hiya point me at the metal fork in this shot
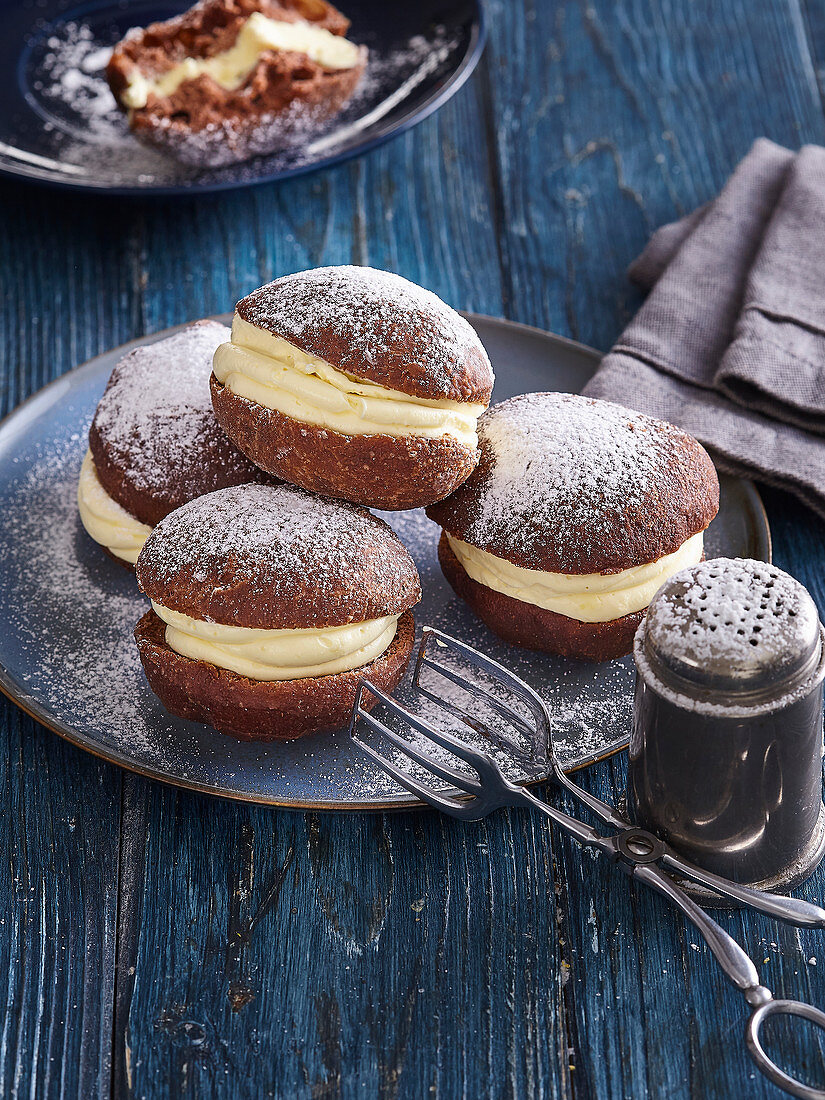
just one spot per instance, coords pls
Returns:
(638, 853)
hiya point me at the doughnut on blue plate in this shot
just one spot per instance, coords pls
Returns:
(59, 124)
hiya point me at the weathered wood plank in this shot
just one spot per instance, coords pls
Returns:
(70, 285)
(261, 953)
(61, 808)
(58, 905)
(323, 955)
(610, 118)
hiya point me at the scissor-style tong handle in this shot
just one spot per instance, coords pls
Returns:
(740, 970)
(639, 853)
(766, 1064)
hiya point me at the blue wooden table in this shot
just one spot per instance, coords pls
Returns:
(157, 943)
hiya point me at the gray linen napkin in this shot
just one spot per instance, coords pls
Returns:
(730, 343)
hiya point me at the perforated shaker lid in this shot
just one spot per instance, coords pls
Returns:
(734, 625)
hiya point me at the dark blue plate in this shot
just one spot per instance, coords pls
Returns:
(67, 611)
(59, 124)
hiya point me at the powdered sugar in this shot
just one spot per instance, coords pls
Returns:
(565, 478)
(155, 420)
(71, 73)
(69, 613)
(261, 556)
(373, 315)
(230, 140)
(748, 619)
(72, 613)
(419, 58)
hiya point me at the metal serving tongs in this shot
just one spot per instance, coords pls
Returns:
(638, 853)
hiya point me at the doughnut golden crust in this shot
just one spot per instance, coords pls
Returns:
(307, 577)
(356, 384)
(379, 471)
(577, 511)
(154, 442)
(277, 558)
(262, 711)
(377, 326)
(568, 484)
(153, 438)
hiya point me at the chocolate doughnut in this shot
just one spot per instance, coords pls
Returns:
(578, 511)
(268, 605)
(231, 79)
(356, 384)
(154, 442)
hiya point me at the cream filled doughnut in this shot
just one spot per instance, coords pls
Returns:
(356, 384)
(268, 604)
(231, 79)
(278, 375)
(578, 511)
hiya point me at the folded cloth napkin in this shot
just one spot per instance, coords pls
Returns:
(730, 342)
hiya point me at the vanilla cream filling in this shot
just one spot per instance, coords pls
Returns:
(105, 520)
(264, 368)
(278, 654)
(231, 67)
(588, 597)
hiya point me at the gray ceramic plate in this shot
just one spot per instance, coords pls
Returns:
(68, 658)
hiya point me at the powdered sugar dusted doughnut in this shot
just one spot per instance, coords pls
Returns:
(576, 514)
(354, 383)
(276, 557)
(230, 79)
(268, 604)
(154, 443)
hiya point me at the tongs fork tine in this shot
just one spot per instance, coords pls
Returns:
(525, 694)
(452, 744)
(441, 771)
(426, 794)
(639, 853)
(488, 665)
(444, 802)
(505, 712)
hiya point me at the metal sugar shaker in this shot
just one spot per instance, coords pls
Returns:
(726, 749)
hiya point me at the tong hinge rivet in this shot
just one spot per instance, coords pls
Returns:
(639, 846)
